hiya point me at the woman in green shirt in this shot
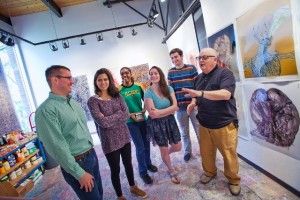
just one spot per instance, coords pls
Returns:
(133, 95)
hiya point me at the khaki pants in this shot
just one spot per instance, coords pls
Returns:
(225, 140)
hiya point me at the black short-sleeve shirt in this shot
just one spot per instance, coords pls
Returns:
(216, 113)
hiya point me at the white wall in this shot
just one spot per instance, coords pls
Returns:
(218, 14)
(185, 39)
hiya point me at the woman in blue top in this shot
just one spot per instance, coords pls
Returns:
(162, 129)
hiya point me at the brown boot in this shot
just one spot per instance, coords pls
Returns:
(138, 192)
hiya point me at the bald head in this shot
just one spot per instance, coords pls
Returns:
(209, 51)
(207, 60)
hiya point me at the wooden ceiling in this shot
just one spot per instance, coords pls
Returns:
(12, 8)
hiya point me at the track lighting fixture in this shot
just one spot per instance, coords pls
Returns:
(153, 14)
(3, 38)
(133, 31)
(154, 11)
(99, 37)
(82, 41)
(119, 33)
(65, 44)
(7, 39)
(53, 46)
(150, 22)
(10, 42)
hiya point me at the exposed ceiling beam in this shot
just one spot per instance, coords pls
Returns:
(5, 19)
(192, 8)
(53, 7)
(135, 10)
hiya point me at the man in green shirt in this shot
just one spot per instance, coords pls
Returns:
(61, 126)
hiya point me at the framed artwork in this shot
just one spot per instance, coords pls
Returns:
(265, 35)
(81, 93)
(224, 43)
(140, 74)
(273, 115)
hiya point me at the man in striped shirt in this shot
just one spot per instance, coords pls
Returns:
(183, 76)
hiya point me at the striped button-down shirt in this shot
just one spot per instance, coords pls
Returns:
(61, 126)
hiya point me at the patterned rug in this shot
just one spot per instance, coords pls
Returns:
(255, 185)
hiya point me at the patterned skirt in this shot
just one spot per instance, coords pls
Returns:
(163, 131)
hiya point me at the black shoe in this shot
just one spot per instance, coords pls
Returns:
(152, 168)
(187, 157)
(147, 179)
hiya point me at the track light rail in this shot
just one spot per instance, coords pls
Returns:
(73, 36)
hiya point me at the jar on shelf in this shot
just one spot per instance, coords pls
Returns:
(19, 171)
(2, 170)
(12, 175)
(6, 165)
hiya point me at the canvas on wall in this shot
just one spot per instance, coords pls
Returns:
(265, 35)
(81, 93)
(224, 43)
(140, 74)
(273, 115)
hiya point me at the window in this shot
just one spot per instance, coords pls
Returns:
(15, 82)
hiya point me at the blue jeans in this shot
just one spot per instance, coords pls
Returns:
(142, 145)
(90, 164)
(183, 122)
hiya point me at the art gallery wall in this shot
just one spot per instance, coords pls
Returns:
(185, 39)
(219, 14)
(112, 53)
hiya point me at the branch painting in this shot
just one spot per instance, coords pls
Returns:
(266, 40)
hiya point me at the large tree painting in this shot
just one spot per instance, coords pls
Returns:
(266, 40)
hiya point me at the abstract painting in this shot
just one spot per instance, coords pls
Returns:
(274, 115)
(140, 75)
(224, 43)
(266, 40)
(81, 93)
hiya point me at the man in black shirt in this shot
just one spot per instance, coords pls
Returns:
(217, 115)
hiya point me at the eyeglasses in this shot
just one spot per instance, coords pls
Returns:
(204, 57)
(67, 77)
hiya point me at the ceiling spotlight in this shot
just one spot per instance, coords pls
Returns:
(119, 34)
(10, 42)
(82, 41)
(99, 37)
(133, 31)
(153, 14)
(154, 11)
(65, 44)
(53, 46)
(150, 22)
(3, 38)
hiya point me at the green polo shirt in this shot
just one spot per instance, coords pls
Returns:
(61, 126)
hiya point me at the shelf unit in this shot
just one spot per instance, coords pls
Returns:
(12, 188)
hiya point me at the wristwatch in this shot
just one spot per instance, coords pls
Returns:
(202, 93)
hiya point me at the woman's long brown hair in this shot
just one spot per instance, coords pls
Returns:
(163, 84)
